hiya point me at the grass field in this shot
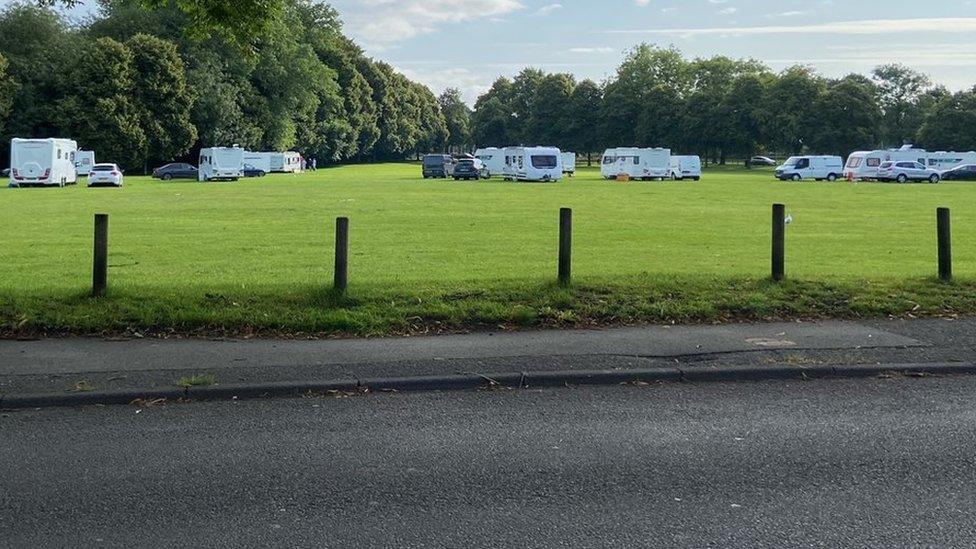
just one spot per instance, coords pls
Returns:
(256, 256)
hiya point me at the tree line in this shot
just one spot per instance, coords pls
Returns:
(722, 108)
(142, 86)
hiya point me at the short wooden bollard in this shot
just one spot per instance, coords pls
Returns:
(945, 244)
(779, 242)
(565, 246)
(100, 262)
(341, 279)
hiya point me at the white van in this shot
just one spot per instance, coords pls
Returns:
(286, 162)
(494, 160)
(42, 162)
(258, 160)
(686, 167)
(644, 164)
(816, 168)
(84, 160)
(536, 163)
(569, 163)
(221, 163)
(863, 165)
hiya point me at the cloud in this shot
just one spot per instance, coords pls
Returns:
(602, 49)
(863, 27)
(378, 24)
(547, 9)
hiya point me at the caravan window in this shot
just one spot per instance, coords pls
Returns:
(609, 160)
(636, 160)
(873, 162)
(59, 154)
(854, 162)
(544, 162)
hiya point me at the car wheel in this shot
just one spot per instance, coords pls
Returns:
(795, 177)
(902, 178)
(832, 177)
(167, 177)
(934, 178)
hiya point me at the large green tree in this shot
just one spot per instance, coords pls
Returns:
(849, 118)
(457, 117)
(900, 92)
(949, 125)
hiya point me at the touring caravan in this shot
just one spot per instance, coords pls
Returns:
(569, 163)
(286, 162)
(84, 160)
(863, 165)
(42, 162)
(637, 163)
(258, 160)
(221, 163)
(816, 168)
(511, 153)
(943, 161)
(536, 163)
(493, 158)
(686, 167)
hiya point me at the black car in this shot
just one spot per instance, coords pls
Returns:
(175, 170)
(467, 170)
(251, 171)
(438, 165)
(960, 173)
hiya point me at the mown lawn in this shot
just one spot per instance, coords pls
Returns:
(256, 256)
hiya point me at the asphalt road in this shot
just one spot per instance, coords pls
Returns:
(867, 463)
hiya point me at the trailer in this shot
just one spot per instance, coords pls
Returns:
(569, 163)
(536, 163)
(221, 164)
(494, 160)
(944, 161)
(286, 162)
(863, 165)
(42, 162)
(84, 160)
(258, 160)
(636, 163)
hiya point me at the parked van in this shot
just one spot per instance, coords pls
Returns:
(569, 163)
(816, 168)
(221, 163)
(285, 162)
(643, 164)
(686, 167)
(537, 163)
(494, 160)
(84, 160)
(863, 165)
(438, 166)
(259, 160)
(42, 162)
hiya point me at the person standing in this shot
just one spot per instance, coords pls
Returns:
(315, 164)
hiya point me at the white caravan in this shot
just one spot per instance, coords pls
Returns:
(686, 167)
(84, 160)
(862, 165)
(816, 168)
(42, 162)
(286, 162)
(493, 158)
(569, 163)
(511, 153)
(258, 160)
(943, 161)
(643, 164)
(536, 163)
(221, 163)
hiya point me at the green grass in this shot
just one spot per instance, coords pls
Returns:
(256, 256)
(200, 380)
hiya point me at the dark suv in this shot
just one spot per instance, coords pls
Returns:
(468, 170)
(438, 166)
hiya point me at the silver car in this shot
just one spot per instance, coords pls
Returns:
(906, 171)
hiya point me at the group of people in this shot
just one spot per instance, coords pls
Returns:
(306, 165)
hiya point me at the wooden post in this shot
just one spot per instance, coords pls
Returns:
(341, 280)
(100, 262)
(565, 246)
(779, 242)
(945, 244)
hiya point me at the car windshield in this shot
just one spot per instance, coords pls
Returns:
(544, 162)
(886, 164)
(433, 160)
(791, 161)
(103, 168)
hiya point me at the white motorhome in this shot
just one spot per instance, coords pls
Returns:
(536, 163)
(943, 161)
(84, 160)
(686, 167)
(816, 168)
(221, 163)
(863, 165)
(493, 158)
(286, 162)
(569, 163)
(258, 160)
(637, 163)
(46, 162)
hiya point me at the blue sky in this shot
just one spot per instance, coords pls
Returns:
(469, 43)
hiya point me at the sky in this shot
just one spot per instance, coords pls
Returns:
(467, 44)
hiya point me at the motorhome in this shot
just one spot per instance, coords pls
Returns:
(686, 167)
(286, 162)
(84, 160)
(221, 163)
(636, 163)
(569, 163)
(536, 163)
(258, 160)
(494, 160)
(816, 168)
(943, 161)
(863, 165)
(42, 162)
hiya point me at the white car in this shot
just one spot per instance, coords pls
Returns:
(906, 171)
(105, 175)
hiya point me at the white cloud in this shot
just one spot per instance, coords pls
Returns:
(547, 9)
(865, 27)
(602, 49)
(377, 24)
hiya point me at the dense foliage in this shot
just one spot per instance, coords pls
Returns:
(720, 107)
(142, 86)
